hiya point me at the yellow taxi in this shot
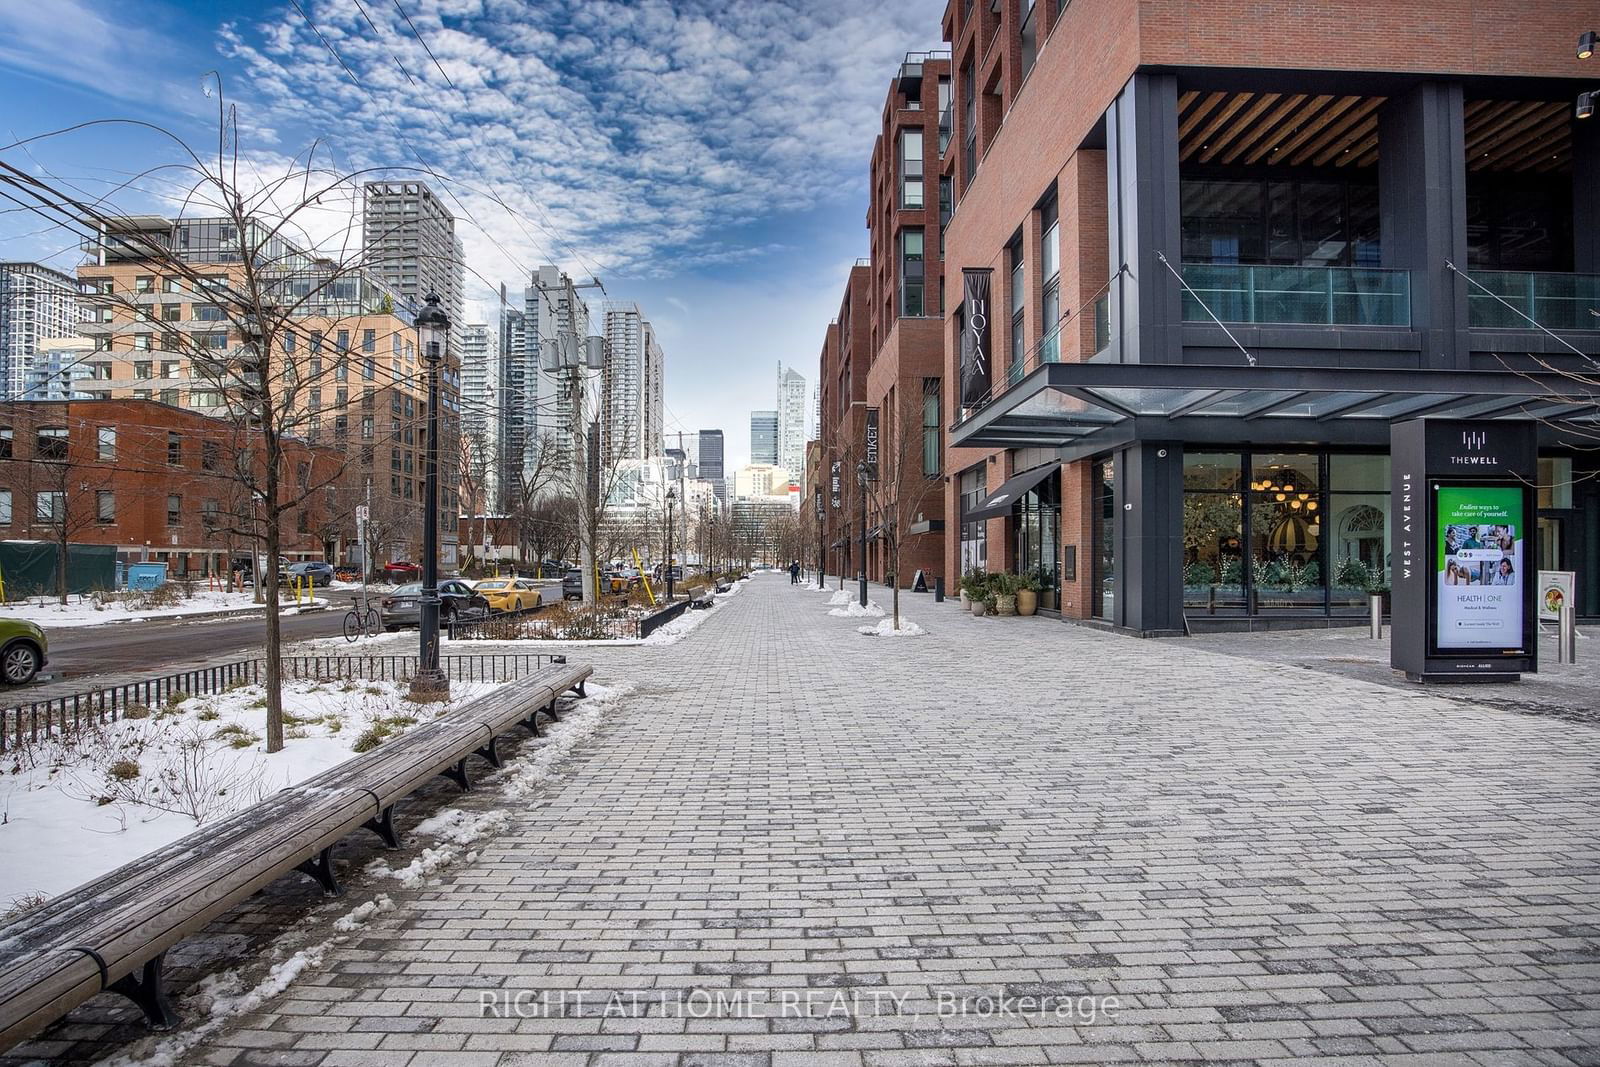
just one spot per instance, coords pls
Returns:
(509, 594)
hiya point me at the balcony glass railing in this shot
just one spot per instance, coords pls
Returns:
(1322, 296)
(1050, 347)
(1102, 322)
(1554, 301)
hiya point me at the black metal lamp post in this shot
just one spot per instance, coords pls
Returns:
(672, 495)
(430, 683)
(861, 477)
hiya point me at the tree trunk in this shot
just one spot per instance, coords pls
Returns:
(274, 684)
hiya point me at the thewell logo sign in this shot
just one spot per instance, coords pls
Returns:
(1473, 443)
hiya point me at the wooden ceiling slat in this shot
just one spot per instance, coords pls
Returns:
(1503, 125)
(1212, 125)
(1359, 150)
(1538, 140)
(1197, 113)
(1558, 162)
(1270, 148)
(1242, 125)
(1261, 129)
(1353, 119)
(1310, 129)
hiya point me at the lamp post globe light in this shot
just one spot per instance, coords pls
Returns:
(430, 683)
(861, 478)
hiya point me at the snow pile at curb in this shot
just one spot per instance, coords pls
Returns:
(455, 829)
(885, 628)
(841, 596)
(86, 611)
(525, 775)
(854, 610)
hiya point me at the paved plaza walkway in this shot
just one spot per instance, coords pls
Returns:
(1006, 841)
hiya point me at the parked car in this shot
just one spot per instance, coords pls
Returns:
(457, 601)
(244, 566)
(554, 568)
(572, 584)
(509, 594)
(402, 571)
(23, 650)
(658, 573)
(319, 572)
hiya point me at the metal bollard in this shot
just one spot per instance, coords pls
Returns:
(1567, 635)
(938, 590)
(1375, 608)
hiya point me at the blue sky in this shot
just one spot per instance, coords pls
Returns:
(707, 159)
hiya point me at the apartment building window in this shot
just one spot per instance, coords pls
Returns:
(141, 394)
(969, 125)
(51, 443)
(366, 400)
(105, 507)
(214, 342)
(1030, 34)
(369, 368)
(172, 312)
(366, 427)
(288, 342)
(946, 208)
(912, 303)
(341, 371)
(7, 437)
(169, 368)
(172, 285)
(314, 402)
(369, 341)
(144, 284)
(342, 340)
(205, 398)
(49, 507)
(302, 475)
(316, 343)
(141, 342)
(208, 313)
(314, 427)
(341, 427)
(106, 444)
(932, 453)
(171, 342)
(1018, 305)
(944, 114)
(316, 367)
(208, 515)
(1050, 268)
(100, 372)
(169, 397)
(5, 507)
(394, 459)
(911, 169)
(209, 454)
(174, 510)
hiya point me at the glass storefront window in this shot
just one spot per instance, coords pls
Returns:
(1286, 558)
(1038, 526)
(1103, 598)
(1212, 470)
(1555, 482)
(974, 535)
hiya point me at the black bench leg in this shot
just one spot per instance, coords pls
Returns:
(147, 988)
(581, 691)
(321, 868)
(490, 753)
(458, 775)
(532, 722)
(551, 710)
(383, 825)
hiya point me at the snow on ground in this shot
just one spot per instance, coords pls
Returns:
(106, 797)
(218, 998)
(885, 628)
(842, 596)
(375, 588)
(110, 608)
(854, 610)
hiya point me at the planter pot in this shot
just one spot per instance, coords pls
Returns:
(1047, 600)
(978, 608)
(966, 601)
(1027, 602)
(1005, 605)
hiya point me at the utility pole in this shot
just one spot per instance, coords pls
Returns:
(572, 355)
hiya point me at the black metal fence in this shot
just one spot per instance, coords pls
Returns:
(29, 723)
(654, 621)
(604, 623)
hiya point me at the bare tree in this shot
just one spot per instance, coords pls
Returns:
(899, 494)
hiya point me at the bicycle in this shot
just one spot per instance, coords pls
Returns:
(356, 626)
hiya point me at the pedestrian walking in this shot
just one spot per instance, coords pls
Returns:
(794, 572)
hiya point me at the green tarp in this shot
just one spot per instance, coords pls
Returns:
(29, 568)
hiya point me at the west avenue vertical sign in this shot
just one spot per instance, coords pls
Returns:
(1462, 566)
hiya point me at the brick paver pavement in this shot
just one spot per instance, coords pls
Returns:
(1259, 863)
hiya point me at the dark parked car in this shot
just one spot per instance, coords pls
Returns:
(457, 600)
(319, 572)
(23, 650)
(572, 585)
(554, 568)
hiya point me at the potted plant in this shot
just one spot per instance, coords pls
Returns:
(1005, 594)
(969, 587)
(979, 594)
(1028, 595)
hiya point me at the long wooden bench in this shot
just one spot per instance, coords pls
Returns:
(113, 933)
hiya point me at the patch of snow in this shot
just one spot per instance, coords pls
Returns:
(854, 610)
(885, 628)
(363, 913)
(89, 611)
(525, 775)
(842, 596)
(104, 797)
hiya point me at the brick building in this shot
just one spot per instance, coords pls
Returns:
(153, 480)
(842, 399)
(161, 300)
